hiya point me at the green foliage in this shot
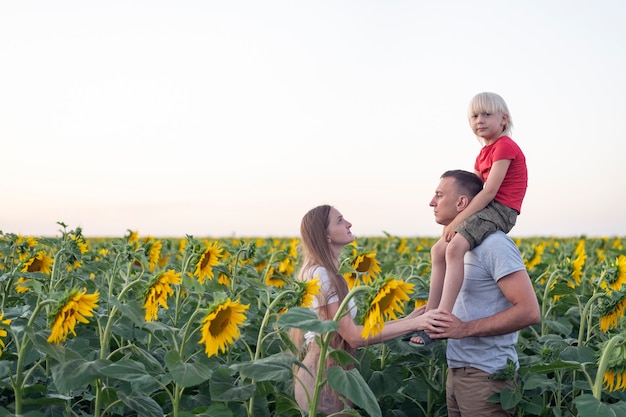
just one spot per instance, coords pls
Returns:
(119, 364)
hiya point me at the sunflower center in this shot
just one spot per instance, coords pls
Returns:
(220, 322)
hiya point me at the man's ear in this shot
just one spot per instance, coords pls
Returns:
(462, 203)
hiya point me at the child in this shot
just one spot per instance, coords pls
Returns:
(502, 167)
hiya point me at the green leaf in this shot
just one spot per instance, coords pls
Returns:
(273, 368)
(74, 373)
(539, 381)
(556, 365)
(351, 384)
(54, 350)
(578, 354)
(562, 326)
(306, 319)
(186, 374)
(223, 388)
(507, 398)
(142, 404)
(218, 410)
(387, 381)
(127, 370)
(589, 406)
(342, 357)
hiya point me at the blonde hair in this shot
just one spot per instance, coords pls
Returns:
(491, 103)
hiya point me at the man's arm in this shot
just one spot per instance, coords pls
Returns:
(518, 289)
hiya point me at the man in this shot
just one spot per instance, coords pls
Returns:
(496, 300)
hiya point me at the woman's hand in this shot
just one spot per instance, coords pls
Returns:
(435, 321)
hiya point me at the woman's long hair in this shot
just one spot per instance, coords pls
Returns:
(316, 252)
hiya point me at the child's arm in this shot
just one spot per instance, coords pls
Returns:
(496, 176)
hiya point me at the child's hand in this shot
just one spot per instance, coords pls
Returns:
(448, 233)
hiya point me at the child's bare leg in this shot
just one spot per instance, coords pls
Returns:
(438, 272)
(454, 272)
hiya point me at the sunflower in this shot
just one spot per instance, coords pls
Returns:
(614, 378)
(3, 333)
(614, 277)
(612, 306)
(536, 256)
(220, 327)
(153, 249)
(293, 248)
(39, 263)
(307, 292)
(287, 266)
(617, 244)
(611, 310)
(158, 293)
(23, 246)
(577, 271)
(133, 238)
(351, 279)
(275, 279)
(77, 306)
(209, 258)
(614, 381)
(21, 288)
(386, 303)
(365, 265)
(80, 243)
(402, 246)
(182, 244)
(223, 279)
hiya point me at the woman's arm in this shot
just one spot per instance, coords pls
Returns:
(432, 321)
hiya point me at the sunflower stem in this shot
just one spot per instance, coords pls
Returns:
(325, 342)
(104, 345)
(259, 342)
(544, 303)
(604, 363)
(18, 385)
(584, 316)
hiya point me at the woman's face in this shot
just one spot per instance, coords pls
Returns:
(338, 231)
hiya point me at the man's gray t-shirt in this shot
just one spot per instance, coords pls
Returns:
(481, 297)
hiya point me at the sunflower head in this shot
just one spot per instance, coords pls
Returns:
(39, 263)
(207, 260)
(159, 291)
(364, 267)
(614, 377)
(220, 327)
(534, 258)
(75, 307)
(19, 285)
(3, 332)
(274, 278)
(611, 309)
(614, 275)
(307, 291)
(385, 302)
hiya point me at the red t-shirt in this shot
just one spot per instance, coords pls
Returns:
(513, 188)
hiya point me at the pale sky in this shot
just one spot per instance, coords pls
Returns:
(233, 118)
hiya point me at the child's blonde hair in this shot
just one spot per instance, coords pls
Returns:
(491, 103)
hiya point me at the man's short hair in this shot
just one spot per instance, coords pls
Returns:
(467, 182)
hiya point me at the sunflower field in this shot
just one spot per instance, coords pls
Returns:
(142, 326)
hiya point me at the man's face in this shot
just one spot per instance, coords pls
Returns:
(446, 201)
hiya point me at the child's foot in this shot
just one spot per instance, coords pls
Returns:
(419, 338)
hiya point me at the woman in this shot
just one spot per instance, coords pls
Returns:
(324, 234)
